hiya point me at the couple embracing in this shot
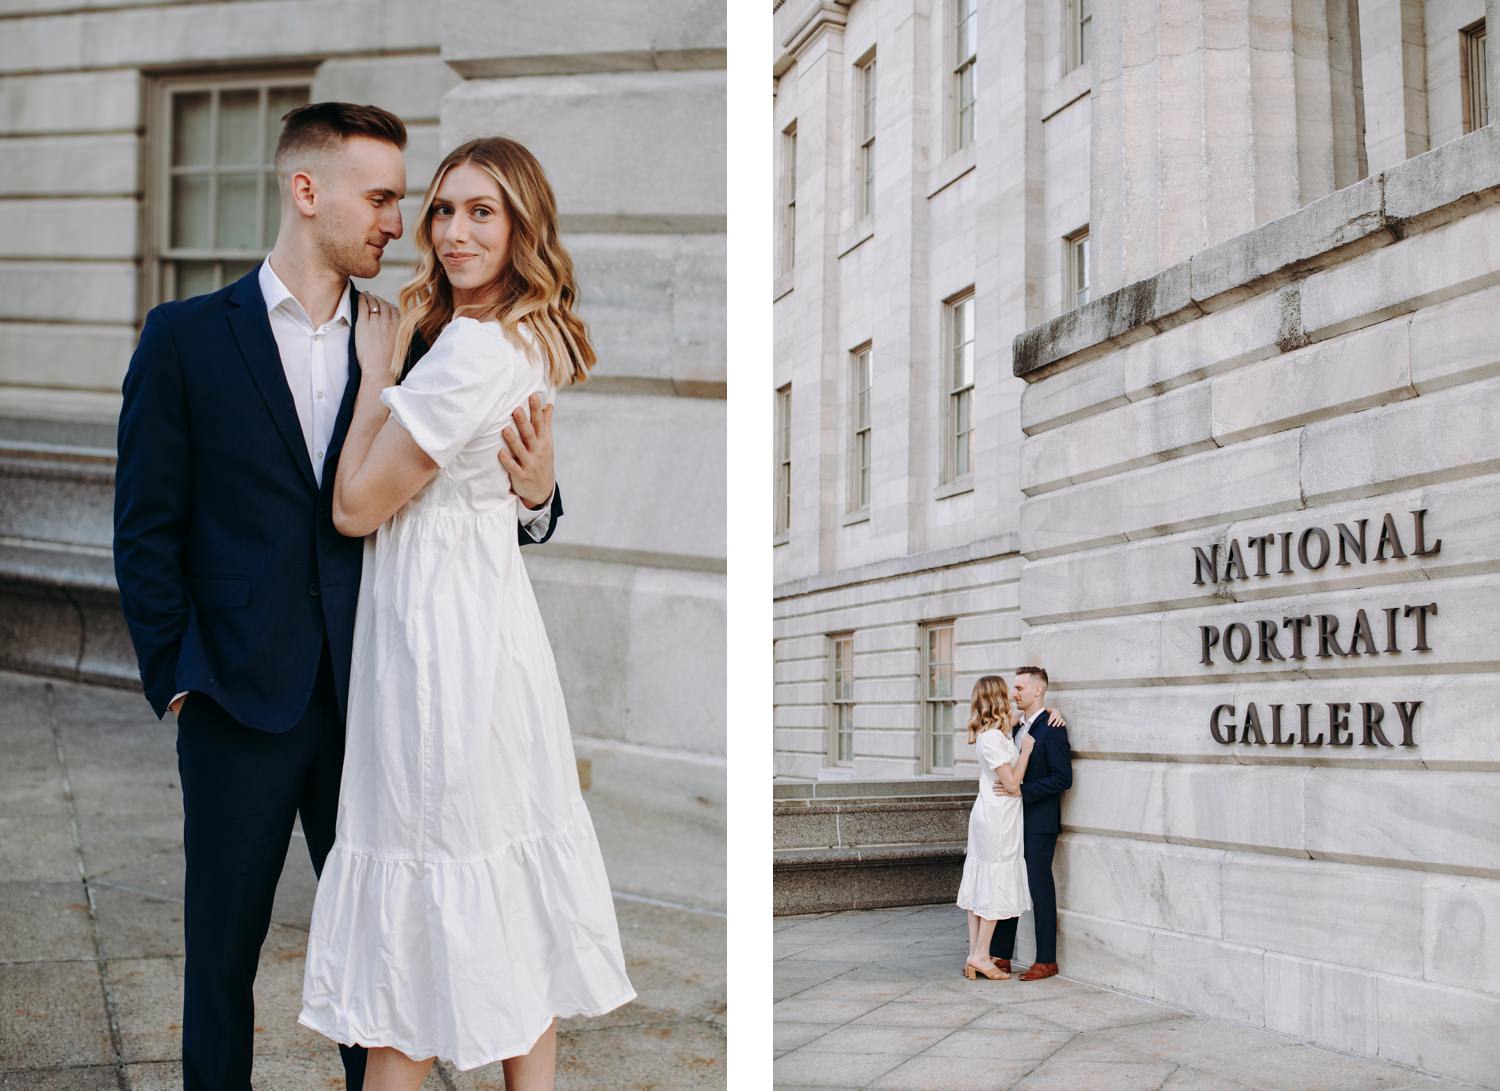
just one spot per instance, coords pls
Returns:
(319, 509)
(1025, 765)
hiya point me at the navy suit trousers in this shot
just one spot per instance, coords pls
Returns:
(1038, 849)
(242, 790)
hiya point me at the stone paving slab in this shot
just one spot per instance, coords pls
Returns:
(877, 998)
(91, 924)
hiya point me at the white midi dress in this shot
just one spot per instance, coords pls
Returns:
(464, 903)
(994, 884)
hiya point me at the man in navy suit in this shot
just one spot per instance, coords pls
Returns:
(1049, 773)
(238, 592)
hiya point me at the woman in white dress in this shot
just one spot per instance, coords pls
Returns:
(994, 883)
(464, 906)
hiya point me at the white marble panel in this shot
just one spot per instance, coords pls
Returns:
(1454, 342)
(1330, 1005)
(88, 291)
(74, 102)
(1438, 819)
(410, 87)
(1254, 806)
(1436, 437)
(1105, 951)
(1440, 1029)
(1212, 344)
(1116, 797)
(1460, 923)
(58, 166)
(1368, 918)
(1160, 886)
(1209, 976)
(80, 227)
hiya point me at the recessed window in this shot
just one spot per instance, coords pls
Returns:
(937, 697)
(841, 704)
(218, 208)
(1080, 30)
(1474, 65)
(783, 515)
(1076, 269)
(958, 383)
(964, 34)
(859, 429)
(864, 133)
(788, 198)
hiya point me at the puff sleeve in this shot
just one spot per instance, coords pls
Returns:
(472, 373)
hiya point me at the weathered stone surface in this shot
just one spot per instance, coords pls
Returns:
(1312, 234)
(56, 166)
(612, 144)
(1091, 388)
(1418, 271)
(1116, 797)
(409, 87)
(82, 290)
(1441, 819)
(94, 228)
(1211, 344)
(602, 36)
(1457, 173)
(88, 357)
(1172, 496)
(1106, 951)
(1437, 437)
(1159, 886)
(52, 1014)
(1326, 1004)
(1328, 379)
(1450, 343)
(1208, 976)
(1119, 440)
(1460, 915)
(1439, 1029)
(1257, 807)
(84, 102)
(1366, 918)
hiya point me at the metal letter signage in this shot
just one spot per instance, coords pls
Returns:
(1380, 629)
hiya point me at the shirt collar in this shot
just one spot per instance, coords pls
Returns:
(276, 294)
(1031, 720)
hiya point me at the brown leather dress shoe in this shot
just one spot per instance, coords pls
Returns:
(1001, 963)
(1040, 970)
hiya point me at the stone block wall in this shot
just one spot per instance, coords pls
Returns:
(1339, 881)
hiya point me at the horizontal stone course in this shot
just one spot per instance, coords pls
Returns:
(84, 102)
(57, 166)
(82, 227)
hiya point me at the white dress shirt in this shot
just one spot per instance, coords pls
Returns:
(1025, 729)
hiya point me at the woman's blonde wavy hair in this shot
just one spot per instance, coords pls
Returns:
(989, 706)
(537, 289)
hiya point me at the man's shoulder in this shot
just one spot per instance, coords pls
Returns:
(178, 312)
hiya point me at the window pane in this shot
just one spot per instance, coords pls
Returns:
(236, 219)
(279, 100)
(191, 227)
(233, 270)
(196, 278)
(192, 136)
(239, 127)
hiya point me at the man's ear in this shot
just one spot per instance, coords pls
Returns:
(304, 193)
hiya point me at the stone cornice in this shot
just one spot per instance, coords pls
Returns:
(1422, 192)
(816, 17)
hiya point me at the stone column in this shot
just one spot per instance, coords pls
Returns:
(1210, 117)
(1393, 65)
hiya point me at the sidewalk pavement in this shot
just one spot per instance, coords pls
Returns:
(876, 998)
(91, 926)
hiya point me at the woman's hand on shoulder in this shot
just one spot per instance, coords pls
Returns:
(375, 334)
(1055, 718)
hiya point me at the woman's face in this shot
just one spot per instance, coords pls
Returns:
(471, 233)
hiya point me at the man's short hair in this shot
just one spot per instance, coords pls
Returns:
(1040, 672)
(323, 126)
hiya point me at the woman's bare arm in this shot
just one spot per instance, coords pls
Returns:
(381, 466)
(1009, 776)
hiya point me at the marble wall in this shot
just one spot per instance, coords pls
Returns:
(1341, 884)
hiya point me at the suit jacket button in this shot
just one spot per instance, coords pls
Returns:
(313, 590)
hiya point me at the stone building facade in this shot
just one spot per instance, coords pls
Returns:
(134, 145)
(1240, 501)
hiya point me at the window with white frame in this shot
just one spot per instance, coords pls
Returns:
(1076, 269)
(859, 429)
(864, 134)
(937, 697)
(217, 207)
(841, 703)
(783, 515)
(958, 385)
(1080, 19)
(788, 197)
(964, 29)
(1475, 65)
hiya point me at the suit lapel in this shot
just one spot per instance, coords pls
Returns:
(346, 407)
(252, 333)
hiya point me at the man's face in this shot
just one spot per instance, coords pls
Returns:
(1027, 689)
(357, 213)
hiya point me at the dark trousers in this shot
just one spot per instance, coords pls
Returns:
(242, 789)
(1038, 849)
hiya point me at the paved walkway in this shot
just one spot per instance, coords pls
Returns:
(91, 926)
(876, 998)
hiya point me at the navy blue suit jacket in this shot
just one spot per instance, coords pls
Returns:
(1049, 773)
(231, 573)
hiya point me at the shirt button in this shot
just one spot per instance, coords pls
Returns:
(320, 454)
(320, 395)
(314, 590)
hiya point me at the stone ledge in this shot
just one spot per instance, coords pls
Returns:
(1002, 545)
(1414, 195)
